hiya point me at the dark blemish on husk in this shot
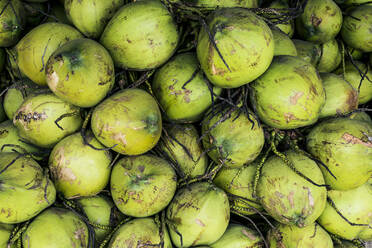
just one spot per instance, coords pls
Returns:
(293, 99)
(33, 116)
(352, 100)
(290, 117)
(315, 21)
(349, 138)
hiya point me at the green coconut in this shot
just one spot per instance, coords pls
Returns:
(310, 236)
(57, 228)
(283, 44)
(96, 14)
(77, 169)
(100, 210)
(25, 190)
(199, 213)
(344, 146)
(44, 119)
(183, 95)
(362, 116)
(237, 140)
(213, 4)
(352, 75)
(245, 41)
(288, 197)
(239, 182)
(320, 21)
(141, 35)
(341, 97)
(5, 232)
(182, 147)
(308, 51)
(10, 140)
(355, 206)
(142, 186)
(289, 27)
(141, 232)
(12, 22)
(330, 58)
(35, 48)
(238, 236)
(356, 28)
(80, 72)
(289, 94)
(15, 95)
(130, 120)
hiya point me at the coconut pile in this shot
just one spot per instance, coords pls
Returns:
(185, 123)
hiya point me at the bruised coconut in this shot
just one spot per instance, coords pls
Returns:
(100, 210)
(45, 119)
(352, 75)
(12, 22)
(181, 89)
(35, 48)
(355, 206)
(80, 72)
(238, 236)
(288, 197)
(289, 94)
(283, 44)
(310, 236)
(308, 51)
(356, 28)
(96, 14)
(181, 146)
(345, 147)
(141, 232)
(240, 182)
(320, 21)
(330, 58)
(236, 140)
(245, 41)
(58, 228)
(341, 97)
(128, 121)
(25, 190)
(141, 35)
(198, 215)
(77, 169)
(142, 186)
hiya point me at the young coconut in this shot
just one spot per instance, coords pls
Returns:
(44, 119)
(237, 236)
(330, 58)
(142, 186)
(141, 35)
(362, 84)
(309, 236)
(198, 215)
(341, 97)
(239, 182)
(12, 21)
(287, 196)
(100, 211)
(235, 138)
(283, 44)
(5, 233)
(289, 27)
(320, 22)
(214, 4)
(289, 94)
(129, 122)
(80, 72)
(245, 47)
(34, 49)
(308, 51)
(348, 214)
(58, 228)
(25, 190)
(96, 14)
(181, 89)
(15, 95)
(141, 232)
(356, 28)
(345, 147)
(182, 147)
(77, 169)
